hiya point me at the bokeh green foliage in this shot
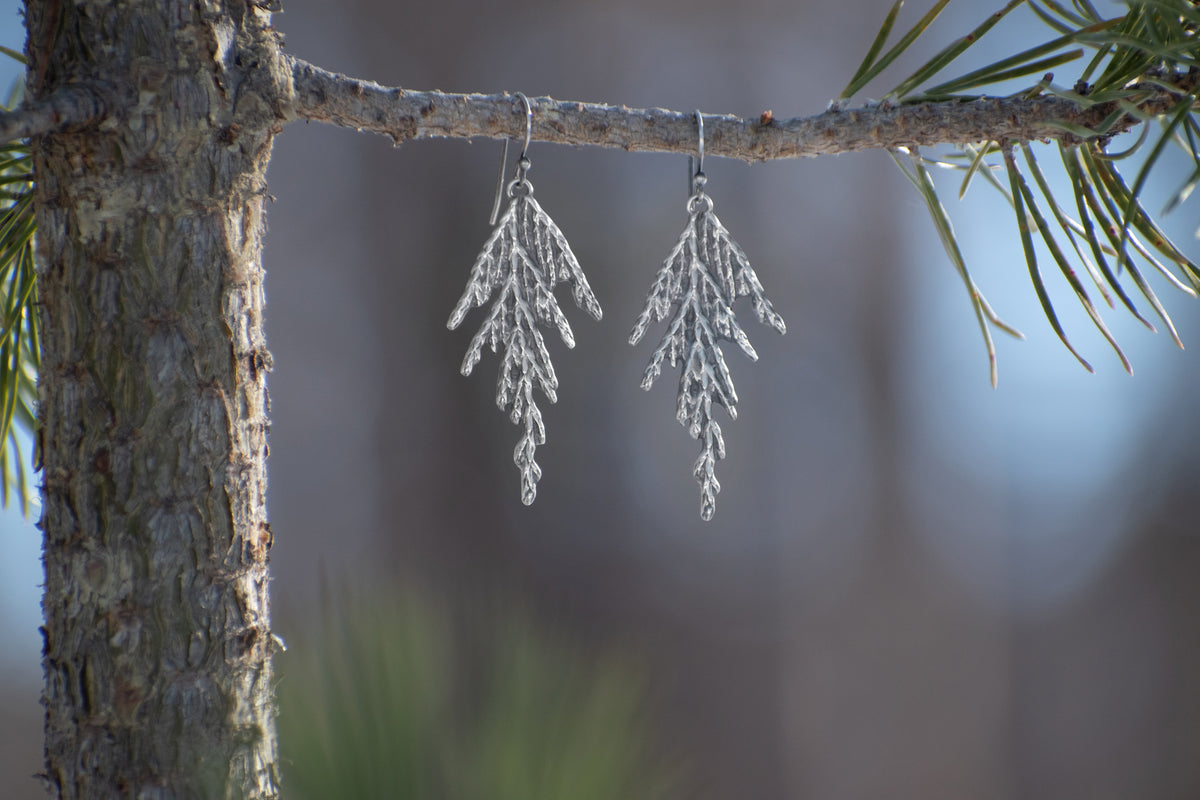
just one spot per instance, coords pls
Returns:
(385, 698)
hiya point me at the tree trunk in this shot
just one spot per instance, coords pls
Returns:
(153, 399)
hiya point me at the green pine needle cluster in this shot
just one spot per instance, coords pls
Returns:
(19, 355)
(1143, 74)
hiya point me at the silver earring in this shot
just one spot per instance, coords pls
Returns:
(697, 285)
(524, 258)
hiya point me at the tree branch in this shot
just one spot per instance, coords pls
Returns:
(66, 107)
(403, 114)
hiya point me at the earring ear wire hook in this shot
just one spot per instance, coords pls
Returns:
(696, 176)
(528, 123)
(504, 157)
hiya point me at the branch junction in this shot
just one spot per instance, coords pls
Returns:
(319, 95)
(68, 107)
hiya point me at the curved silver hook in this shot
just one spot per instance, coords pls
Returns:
(696, 177)
(528, 122)
(522, 162)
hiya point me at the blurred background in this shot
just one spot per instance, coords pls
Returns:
(915, 586)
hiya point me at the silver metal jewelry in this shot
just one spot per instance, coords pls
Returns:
(524, 259)
(697, 285)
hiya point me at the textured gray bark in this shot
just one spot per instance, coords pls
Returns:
(70, 105)
(404, 114)
(153, 398)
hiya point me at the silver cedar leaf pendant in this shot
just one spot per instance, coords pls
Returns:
(696, 287)
(524, 259)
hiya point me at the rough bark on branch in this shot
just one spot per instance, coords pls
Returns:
(67, 107)
(323, 96)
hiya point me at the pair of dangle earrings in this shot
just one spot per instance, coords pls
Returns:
(527, 255)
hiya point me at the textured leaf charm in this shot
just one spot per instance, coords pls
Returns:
(696, 287)
(523, 259)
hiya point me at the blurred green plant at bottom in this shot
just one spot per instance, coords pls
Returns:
(383, 700)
